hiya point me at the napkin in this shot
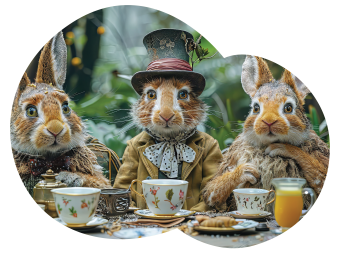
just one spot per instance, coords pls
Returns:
(162, 223)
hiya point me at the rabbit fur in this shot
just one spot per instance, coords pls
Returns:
(277, 139)
(167, 114)
(43, 125)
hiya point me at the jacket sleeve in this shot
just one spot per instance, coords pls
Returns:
(128, 171)
(209, 169)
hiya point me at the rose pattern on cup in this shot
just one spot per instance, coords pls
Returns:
(73, 212)
(84, 204)
(65, 201)
(153, 191)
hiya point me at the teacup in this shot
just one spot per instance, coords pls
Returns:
(163, 197)
(251, 201)
(76, 206)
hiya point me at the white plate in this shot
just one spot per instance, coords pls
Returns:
(137, 232)
(245, 224)
(96, 221)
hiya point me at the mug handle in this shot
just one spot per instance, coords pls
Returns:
(312, 198)
(133, 189)
(271, 201)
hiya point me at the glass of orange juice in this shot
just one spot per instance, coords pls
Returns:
(289, 201)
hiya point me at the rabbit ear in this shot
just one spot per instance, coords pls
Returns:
(255, 72)
(52, 62)
(290, 79)
(22, 86)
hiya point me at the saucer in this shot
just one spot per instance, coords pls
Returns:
(148, 214)
(238, 215)
(244, 225)
(95, 222)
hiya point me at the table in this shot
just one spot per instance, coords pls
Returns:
(245, 238)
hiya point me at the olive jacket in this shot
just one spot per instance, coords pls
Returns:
(198, 173)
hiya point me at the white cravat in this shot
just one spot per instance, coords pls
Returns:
(168, 152)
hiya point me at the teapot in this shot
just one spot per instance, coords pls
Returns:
(42, 192)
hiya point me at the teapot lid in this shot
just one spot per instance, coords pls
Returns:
(50, 181)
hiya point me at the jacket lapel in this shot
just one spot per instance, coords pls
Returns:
(188, 167)
(145, 142)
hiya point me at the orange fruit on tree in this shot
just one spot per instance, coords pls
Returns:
(100, 30)
(76, 61)
(70, 35)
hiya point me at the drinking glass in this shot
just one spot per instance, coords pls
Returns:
(289, 201)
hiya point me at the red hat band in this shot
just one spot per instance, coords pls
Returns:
(169, 64)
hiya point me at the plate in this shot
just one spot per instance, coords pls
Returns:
(148, 214)
(238, 215)
(95, 222)
(137, 232)
(244, 225)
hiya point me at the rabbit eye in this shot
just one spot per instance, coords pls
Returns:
(152, 94)
(288, 108)
(66, 109)
(256, 108)
(183, 94)
(31, 111)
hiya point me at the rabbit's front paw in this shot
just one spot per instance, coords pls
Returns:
(278, 149)
(70, 179)
(250, 174)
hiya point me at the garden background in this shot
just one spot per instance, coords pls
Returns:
(105, 49)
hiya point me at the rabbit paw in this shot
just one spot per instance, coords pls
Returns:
(70, 179)
(278, 149)
(250, 174)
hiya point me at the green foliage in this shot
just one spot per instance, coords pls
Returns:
(320, 129)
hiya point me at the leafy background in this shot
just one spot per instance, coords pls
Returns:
(105, 49)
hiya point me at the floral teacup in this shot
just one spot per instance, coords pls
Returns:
(251, 201)
(76, 206)
(163, 197)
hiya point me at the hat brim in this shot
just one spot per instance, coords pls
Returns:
(196, 79)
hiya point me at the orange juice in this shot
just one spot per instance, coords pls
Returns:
(288, 206)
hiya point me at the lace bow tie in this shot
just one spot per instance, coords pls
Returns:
(169, 152)
(39, 166)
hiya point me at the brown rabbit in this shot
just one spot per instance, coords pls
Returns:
(169, 111)
(45, 132)
(277, 139)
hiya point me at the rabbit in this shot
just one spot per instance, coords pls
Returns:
(44, 128)
(277, 138)
(169, 112)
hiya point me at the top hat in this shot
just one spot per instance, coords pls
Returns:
(168, 58)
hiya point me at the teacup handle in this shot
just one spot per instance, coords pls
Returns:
(271, 201)
(312, 198)
(133, 189)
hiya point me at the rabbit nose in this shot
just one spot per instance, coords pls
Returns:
(167, 119)
(55, 135)
(55, 127)
(269, 124)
